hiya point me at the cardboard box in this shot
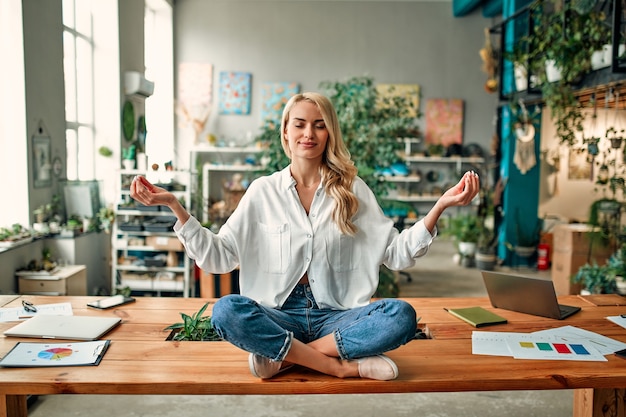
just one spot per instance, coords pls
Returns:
(566, 264)
(169, 243)
(575, 238)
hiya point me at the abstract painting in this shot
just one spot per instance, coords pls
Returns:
(444, 121)
(274, 96)
(235, 88)
(409, 91)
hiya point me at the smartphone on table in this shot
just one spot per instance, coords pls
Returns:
(112, 301)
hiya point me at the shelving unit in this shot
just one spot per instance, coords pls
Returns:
(146, 254)
(429, 176)
(218, 166)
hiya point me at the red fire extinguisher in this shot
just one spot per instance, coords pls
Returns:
(543, 256)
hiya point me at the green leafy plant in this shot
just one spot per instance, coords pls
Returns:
(595, 278)
(196, 327)
(465, 227)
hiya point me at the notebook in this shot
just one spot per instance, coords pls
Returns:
(477, 316)
(64, 327)
(525, 295)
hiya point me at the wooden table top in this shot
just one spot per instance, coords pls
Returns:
(140, 360)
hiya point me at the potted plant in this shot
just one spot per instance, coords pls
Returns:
(465, 229)
(595, 279)
(196, 327)
(617, 268)
(128, 157)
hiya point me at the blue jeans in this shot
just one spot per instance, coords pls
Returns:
(371, 330)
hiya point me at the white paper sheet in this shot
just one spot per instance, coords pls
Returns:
(19, 313)
(496, 343)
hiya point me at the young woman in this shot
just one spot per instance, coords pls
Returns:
(309, 241)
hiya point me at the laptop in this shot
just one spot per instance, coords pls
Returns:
(525, 295)
(64, 327)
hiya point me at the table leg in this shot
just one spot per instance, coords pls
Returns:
(607, 402)
(13, 406)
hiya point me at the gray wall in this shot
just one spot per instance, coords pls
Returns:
(308, 42)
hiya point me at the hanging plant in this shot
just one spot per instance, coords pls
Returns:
(566, 36)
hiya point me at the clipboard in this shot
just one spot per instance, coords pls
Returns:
(33, 354)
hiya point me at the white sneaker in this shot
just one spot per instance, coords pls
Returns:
(378, 367)
(263, 367)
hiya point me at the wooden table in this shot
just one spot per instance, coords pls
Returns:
(140, 360)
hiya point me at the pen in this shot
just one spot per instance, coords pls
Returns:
(623, 316)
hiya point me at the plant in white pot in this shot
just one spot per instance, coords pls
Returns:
(465, 229)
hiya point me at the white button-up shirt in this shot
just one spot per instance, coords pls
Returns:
(274, 242)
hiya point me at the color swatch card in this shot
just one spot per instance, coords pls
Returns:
(540, 349)
(27, 354)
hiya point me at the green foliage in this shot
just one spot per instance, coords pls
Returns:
(596, 278)
(465, 227)
(195, 327)
(269, 138)
(617, 263)
(566, 35)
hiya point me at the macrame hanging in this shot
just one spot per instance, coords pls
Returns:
(524, 157)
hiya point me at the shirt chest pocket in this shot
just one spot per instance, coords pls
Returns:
(343, 252)
(274, 248)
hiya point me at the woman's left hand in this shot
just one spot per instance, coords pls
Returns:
(463, 192)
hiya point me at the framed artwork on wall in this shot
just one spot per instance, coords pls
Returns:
(444, 121)
(410, 91)
(42, 166)
(274, 96)
(195, 96)
(235, 88)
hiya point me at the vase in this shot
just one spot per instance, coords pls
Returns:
(467, 248)
(485, 260)
(553, 73)
(129, 164)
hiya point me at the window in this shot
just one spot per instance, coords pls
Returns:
(13, 142)
(78, 50)
(159, 62)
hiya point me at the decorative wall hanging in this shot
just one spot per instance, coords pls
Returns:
(195, 96)
(444, 121)
(128, 120)
(524, 132)
(274, 96)
(235, 90)
(42, 166)
(411, 92)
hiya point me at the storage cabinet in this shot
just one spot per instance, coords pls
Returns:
(67, 280)
(146, 254)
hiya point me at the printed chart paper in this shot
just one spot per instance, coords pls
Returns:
(32, 354)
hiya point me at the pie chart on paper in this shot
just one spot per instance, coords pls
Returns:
(55, 354)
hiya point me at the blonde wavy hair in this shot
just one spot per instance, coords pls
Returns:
(337, 170)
